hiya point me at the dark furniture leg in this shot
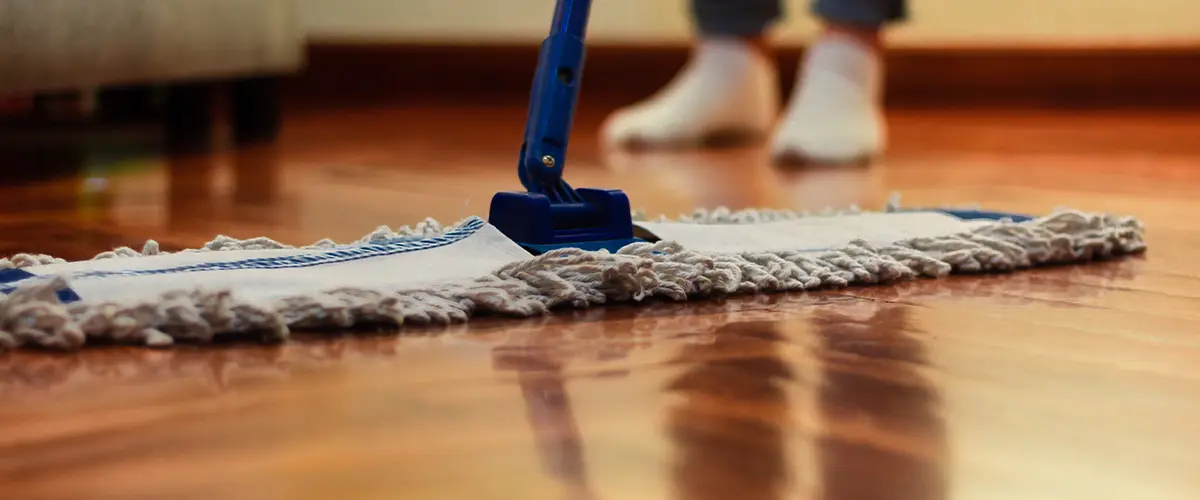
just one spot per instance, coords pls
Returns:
(256, 113)
(130, 104)
(190, 123)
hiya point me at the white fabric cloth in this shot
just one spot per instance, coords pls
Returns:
(472, 250)
(814, 234)
(388, 278)
(469, 251)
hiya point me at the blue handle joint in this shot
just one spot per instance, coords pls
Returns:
(550, 214)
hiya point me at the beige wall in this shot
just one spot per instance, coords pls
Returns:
(937, 22)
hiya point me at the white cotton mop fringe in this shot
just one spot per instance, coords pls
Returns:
(33, 313)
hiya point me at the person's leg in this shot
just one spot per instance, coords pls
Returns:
(744, 19)
(835, 114)
(728, 88)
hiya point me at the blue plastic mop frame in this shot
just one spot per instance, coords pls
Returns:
(551, 214)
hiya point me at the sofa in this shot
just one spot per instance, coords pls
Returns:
(189, 47)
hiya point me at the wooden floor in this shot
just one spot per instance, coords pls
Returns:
(1068, 383)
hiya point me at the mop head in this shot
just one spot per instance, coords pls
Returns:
(439, 275)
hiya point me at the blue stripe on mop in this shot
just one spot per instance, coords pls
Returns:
(14, 275)
(320, 257)
(978, 214)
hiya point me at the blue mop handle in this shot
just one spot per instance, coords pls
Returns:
(552, 102)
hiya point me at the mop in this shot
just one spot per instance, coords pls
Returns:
(550, 247)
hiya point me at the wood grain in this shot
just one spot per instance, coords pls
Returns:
(1077, 382)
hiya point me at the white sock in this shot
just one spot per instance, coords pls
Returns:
(727, 89)
(835, 114)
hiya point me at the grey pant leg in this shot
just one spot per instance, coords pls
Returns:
(865, 13)
(735, 18)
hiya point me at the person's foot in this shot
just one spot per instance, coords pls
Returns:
(728, 90)
(835, 114)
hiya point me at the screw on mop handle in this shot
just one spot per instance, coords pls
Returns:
(552, 103)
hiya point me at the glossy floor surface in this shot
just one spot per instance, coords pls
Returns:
(1067, 383)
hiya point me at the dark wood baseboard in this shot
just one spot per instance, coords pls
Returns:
(928, 77)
